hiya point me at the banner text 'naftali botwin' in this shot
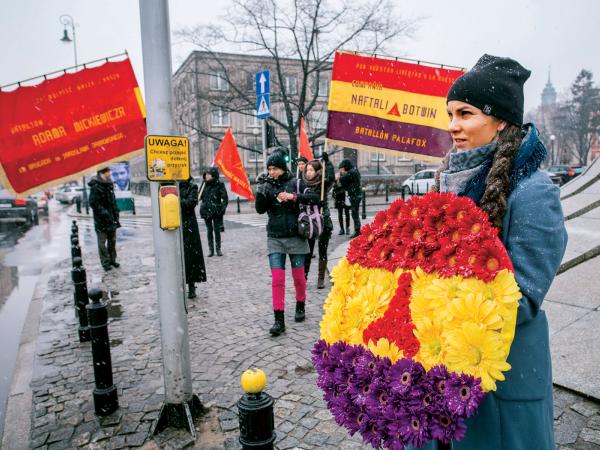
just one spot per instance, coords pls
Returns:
(70, 124)
(386, 105)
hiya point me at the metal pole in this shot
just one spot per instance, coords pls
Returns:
(264, 142)
(179, 398)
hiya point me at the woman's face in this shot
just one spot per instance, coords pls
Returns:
(274, 172)
(310, 172)
(301, 166)
(470, 127)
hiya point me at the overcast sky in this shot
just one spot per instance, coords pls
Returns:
(537, 33)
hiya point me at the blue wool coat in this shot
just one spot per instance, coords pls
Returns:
(519, 414)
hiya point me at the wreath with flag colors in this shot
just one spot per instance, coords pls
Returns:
(418, 324)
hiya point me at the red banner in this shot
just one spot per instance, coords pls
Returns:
(229, 161)
(304, 147)
(71, 124)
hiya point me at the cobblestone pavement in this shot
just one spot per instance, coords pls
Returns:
(228, 326)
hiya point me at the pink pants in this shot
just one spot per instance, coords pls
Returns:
(278, 286)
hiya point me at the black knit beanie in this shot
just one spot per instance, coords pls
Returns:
(494, 85)
(277, 160)
(346, 164)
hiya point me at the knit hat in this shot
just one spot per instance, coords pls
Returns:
(494, 85)
(277, 160)
(346, 164)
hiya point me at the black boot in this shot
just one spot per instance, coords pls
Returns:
(192, 290)
(279, 325)
(211, 244)
(219, 253)
(342, 232)
(321, 274)
(299, 316)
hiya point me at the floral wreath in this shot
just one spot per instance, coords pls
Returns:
(418, 324)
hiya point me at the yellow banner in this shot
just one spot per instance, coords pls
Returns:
(389, 104)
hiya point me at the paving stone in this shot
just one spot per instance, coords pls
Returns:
(568, 427)
(60, 435)
(590, 435)
(586, 409)
(136, 439)
(81, 439)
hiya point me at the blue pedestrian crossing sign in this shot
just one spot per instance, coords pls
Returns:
(263, 87)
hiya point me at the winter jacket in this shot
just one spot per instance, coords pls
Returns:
(519, 414)
(195, 269)
(104, 205)
(214, 196)
(350, 181)
(283, 216)
(339, 195)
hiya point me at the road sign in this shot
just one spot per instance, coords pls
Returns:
(167, 158)
(263, 101)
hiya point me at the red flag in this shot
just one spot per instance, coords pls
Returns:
(228, 160)
(304, 147)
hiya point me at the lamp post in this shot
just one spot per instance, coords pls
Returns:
(552, 140)
(67, 21)
(377, 163)
(255, 132)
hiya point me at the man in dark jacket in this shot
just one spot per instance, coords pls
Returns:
(212, 209)
(106, 217)
(195, 270)
(349, 178)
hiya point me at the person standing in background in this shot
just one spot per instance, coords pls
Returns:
(212, 209)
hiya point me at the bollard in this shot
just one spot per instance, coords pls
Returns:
(75, 229)
(80, 297)
(403, 193)
(105, 393)
(418, 189)
(75, 249)
(364, 203)
(387, 194)
(238, 205)
(133, 206)
(257, 422)
(78, 204)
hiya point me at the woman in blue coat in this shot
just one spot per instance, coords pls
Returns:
(495, 161)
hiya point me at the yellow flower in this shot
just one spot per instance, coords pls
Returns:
(474, 308)
(429, 334)
(476, 351)
(386, 349)
(506, 291)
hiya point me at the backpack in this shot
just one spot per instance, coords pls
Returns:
(310, 219)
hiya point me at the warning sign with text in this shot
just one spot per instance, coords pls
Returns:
(167, 158)
(68, 125)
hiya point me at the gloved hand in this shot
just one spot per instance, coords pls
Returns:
(262, 178)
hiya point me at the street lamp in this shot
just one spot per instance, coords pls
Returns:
(67, 21)
(552, 140)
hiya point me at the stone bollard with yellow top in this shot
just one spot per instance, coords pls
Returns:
(255, 408)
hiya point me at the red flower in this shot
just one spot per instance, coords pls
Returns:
(459, 209)
(489, 260)
(413, 232)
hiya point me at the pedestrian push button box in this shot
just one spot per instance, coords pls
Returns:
(168, 204)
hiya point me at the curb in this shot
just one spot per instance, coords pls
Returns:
(17, 422)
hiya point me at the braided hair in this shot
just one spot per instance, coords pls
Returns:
(497, 183)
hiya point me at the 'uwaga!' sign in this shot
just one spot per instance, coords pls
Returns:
(167, 158)
(389, 106)
(53, 131)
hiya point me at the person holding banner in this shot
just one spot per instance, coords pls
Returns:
(349, 178)
(313, 177)
(495, 160)
(279, 195)
(106, 217)
(195, 270)
(212, 209)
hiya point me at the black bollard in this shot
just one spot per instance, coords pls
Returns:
(387, 193)
(78, 204)
(238, 205)
(75, 249)
(364, 204)
(257, 422)
(75, 229)
(105, 393)
(80, 298)
(133, 206)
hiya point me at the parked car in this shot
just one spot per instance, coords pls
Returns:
(18, 209)
(69, 194)
(42, 201)
(559, 173)
(419, 183)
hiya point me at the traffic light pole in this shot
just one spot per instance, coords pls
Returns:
(264, 142)
(181, 405)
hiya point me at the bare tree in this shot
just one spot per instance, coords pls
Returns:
(291, 32)
(577, 120)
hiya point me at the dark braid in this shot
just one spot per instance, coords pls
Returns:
(497, 183)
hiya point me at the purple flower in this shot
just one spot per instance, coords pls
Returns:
(405, 376)
(444, 427)
(370, 431)
(350, 356)
(414, 429)
(463, 394)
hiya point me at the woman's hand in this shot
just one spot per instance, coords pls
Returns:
(285, 196)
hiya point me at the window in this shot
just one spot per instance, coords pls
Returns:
(219, 117)
(252, 121)
(318, 120)
(323, 88)
(377, 157)
(250, 82)
(254, 156)
(217, 81)
(290, 85)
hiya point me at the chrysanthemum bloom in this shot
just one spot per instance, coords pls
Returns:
(424, 307)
